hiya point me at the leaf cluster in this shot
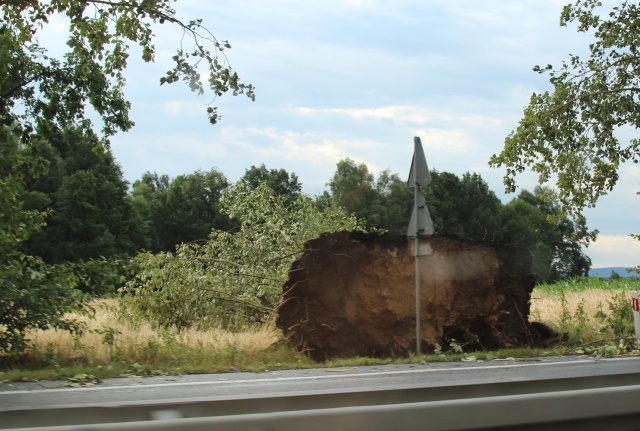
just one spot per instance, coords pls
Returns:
(91, 70)
(179, 210)
(32, 294)
(574, 134)
(235, 278)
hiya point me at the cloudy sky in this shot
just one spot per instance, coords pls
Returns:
(360, 79)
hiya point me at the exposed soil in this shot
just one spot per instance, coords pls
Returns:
(353, 294)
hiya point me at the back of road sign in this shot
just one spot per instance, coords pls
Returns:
(420, 223)
(419, 166)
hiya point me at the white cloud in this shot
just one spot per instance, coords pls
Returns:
(614, 250)
(311, 147)
(410, 114)
(178, 110)
(293, 146)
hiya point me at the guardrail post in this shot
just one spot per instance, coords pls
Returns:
(636, 313)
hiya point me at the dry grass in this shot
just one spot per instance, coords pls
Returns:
(546, 307)
(109, 347)
(107, 340)
(585, 317)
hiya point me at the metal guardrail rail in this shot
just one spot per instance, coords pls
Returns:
(598, 402)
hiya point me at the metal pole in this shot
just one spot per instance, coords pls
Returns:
(635, 305)
(416, 189)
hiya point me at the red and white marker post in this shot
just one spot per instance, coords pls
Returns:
(636, 313)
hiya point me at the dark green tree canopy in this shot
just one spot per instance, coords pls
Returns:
(535, 221)
(573, 134)
(391, 204)
(351, 187)
(278, 180)
(32, 294)
(181, 210)
(463, 206)
(89, 209)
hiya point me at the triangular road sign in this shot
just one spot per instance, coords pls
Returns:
(419, 164)
(420, 223)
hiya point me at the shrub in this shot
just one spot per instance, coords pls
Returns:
(235, 278)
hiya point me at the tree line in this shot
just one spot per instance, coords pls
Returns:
(92, 213)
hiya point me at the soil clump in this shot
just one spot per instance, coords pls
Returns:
(353, 294)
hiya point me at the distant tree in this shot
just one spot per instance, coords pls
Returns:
(534, 221)
(279, 180)
(463, 206)
(391, 205)
(181, 210)
(352, 187)
(384, 203)
(524, 225)
(614, 276)
(154, 182)
(90, 211)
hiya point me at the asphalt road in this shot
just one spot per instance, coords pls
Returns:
(243, 385)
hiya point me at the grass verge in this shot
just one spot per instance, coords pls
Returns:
(595, 316)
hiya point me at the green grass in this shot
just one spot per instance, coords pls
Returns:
(580, 284)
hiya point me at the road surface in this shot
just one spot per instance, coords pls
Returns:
(327, 391)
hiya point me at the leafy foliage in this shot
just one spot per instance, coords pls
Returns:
(279, 180)
(391, 204)
(90, 215)
(352, 187)
(234, 279)
(535, 221)
(32, 294)
(571, 135)
(463, 206)
(181, 210)
(92, 69)
(386, 202)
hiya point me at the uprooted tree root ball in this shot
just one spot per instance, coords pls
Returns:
(353, 294)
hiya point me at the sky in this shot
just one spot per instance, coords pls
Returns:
(359, 79)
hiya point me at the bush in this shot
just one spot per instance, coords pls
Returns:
(32, 294)
(234, 279)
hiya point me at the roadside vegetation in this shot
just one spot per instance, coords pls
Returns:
(182, 258)
(593, 316)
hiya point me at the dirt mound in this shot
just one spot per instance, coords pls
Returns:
(353, 294)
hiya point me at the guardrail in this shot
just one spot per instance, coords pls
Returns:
(597, 402)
